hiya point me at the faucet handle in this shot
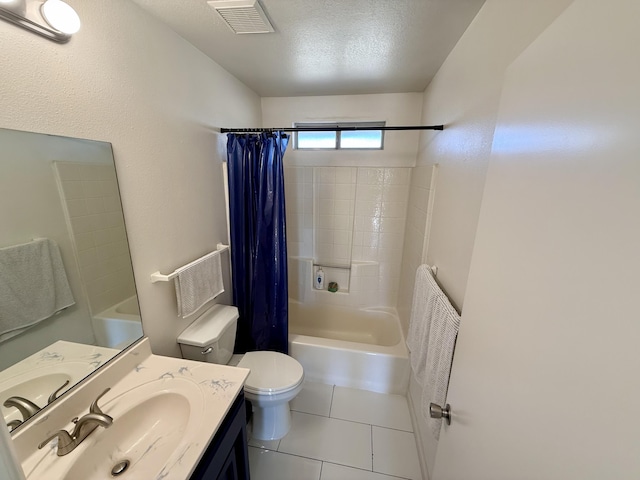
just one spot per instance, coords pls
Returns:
(64, 440)
(94, 408)
(54, 395)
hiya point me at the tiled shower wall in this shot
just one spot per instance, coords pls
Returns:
(298, 188)
(381, 197)
(334, 193)
(91, 198)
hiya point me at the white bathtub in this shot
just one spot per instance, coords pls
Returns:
(361, 349)
(118, 326)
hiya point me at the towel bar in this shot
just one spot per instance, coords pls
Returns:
(159, 277)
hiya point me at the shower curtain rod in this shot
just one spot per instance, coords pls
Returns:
(329, 129)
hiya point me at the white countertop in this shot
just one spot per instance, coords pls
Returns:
(140, 374)
(39, 375)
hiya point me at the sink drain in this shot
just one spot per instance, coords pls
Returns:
(119, 468)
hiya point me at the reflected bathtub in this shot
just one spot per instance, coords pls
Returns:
(362, 349)
(118, 326)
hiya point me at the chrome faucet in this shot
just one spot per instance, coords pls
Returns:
(26, 407)
(84, 425)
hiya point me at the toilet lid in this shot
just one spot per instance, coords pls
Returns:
(271, 372)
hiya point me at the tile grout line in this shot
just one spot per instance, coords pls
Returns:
(333, 391)
(348, 421)
(292, 455)
(322, 462)
(365, 470)
(371, 447)
(364, 423)
(353, 421)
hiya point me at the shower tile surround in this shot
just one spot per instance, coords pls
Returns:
(334, 194)
(318, 203)
(91, 202)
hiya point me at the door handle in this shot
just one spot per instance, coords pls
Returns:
(436, 411)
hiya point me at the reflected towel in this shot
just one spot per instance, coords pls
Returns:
(197, 283)
(431, 339)
(33, 285)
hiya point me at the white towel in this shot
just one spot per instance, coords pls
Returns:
(33, 285)
(433, 330)
(197, 283)
(420, 321)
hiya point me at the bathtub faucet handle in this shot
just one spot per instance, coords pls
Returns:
(54, 395)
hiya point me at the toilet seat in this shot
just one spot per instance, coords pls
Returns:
(272, 373)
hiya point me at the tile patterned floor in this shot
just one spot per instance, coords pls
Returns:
(340, 433)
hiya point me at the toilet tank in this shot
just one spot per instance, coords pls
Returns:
(211, 337)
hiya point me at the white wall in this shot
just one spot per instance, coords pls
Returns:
(464, 95)
(127, 79)
(549, 334)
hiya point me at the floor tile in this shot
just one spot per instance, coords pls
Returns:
(268, 465)
(314, 398)
(395, 453)
(331, 471)
(328, 439)
(391, 411)
(265, 444)
(235, 360)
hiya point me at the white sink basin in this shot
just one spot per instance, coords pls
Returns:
(151, 431)
(37, 384)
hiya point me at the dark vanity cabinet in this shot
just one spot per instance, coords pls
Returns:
(226, 457)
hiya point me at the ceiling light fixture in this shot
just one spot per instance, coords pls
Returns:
(53, 19)
(61, 16)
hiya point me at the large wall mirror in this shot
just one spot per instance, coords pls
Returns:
(67, 295)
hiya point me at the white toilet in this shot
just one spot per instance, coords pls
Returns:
(275, 378)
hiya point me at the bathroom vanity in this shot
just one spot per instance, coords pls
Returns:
(172, 418)
(226, 457)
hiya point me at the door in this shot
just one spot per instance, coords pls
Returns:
(545, 382)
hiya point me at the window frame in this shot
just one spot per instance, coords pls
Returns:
(338, 145)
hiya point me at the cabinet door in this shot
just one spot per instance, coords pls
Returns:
(230, 468)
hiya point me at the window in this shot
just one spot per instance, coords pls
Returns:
(341, 140)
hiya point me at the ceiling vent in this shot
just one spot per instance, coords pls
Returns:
(243, 16)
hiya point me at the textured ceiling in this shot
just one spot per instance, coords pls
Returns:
(328, 47)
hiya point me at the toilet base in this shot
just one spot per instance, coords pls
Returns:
(271, 422)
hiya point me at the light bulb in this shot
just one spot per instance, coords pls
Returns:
(61, 16)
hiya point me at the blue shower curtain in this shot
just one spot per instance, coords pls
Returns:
(258, 240)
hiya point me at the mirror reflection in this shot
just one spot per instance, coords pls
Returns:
(67, 294)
